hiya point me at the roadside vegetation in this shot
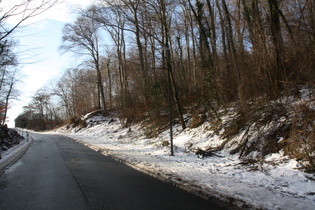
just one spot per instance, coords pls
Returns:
(245, 66)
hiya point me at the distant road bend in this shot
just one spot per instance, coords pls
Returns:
(58, 173)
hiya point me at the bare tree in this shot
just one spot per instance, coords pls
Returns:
(131, 12)
(166, 44)
(41, 113)
(63, 90)
(77, 92)
(8, 59)
(9, 94)
(23, 11)
(82, 39)
(113, 22)
(8, 70)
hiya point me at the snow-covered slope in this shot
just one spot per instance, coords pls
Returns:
(274, 183)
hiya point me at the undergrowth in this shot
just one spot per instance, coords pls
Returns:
(301, 142)
(251, 131)
(265, 127)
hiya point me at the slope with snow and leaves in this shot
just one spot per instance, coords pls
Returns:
(8, 138)
(248, 167)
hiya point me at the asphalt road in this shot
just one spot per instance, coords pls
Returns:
(59, 173)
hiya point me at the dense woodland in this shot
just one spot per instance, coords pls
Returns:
(206, 54)
(215, 51)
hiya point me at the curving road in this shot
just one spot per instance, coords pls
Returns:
(59, 173)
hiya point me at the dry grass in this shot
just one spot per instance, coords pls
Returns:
(301, 141)
(258, 123)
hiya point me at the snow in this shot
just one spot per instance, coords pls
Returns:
(274, 183)
(9, 156)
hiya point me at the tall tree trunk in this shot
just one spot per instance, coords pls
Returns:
(191, 81)
(231, 42)
(204, 48)
(181, 65)
(109, 84)
(169, 63)
(238, 29)
(212, 32)
(134, 5)
(194, 55)
(100, 82)
(275, 28)
(99, 79)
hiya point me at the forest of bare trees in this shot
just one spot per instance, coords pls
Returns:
(213, 52)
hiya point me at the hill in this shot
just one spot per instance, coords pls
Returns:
(261, 158)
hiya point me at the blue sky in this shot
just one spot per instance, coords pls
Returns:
(41, 62)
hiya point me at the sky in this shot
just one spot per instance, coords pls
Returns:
(39, 40)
